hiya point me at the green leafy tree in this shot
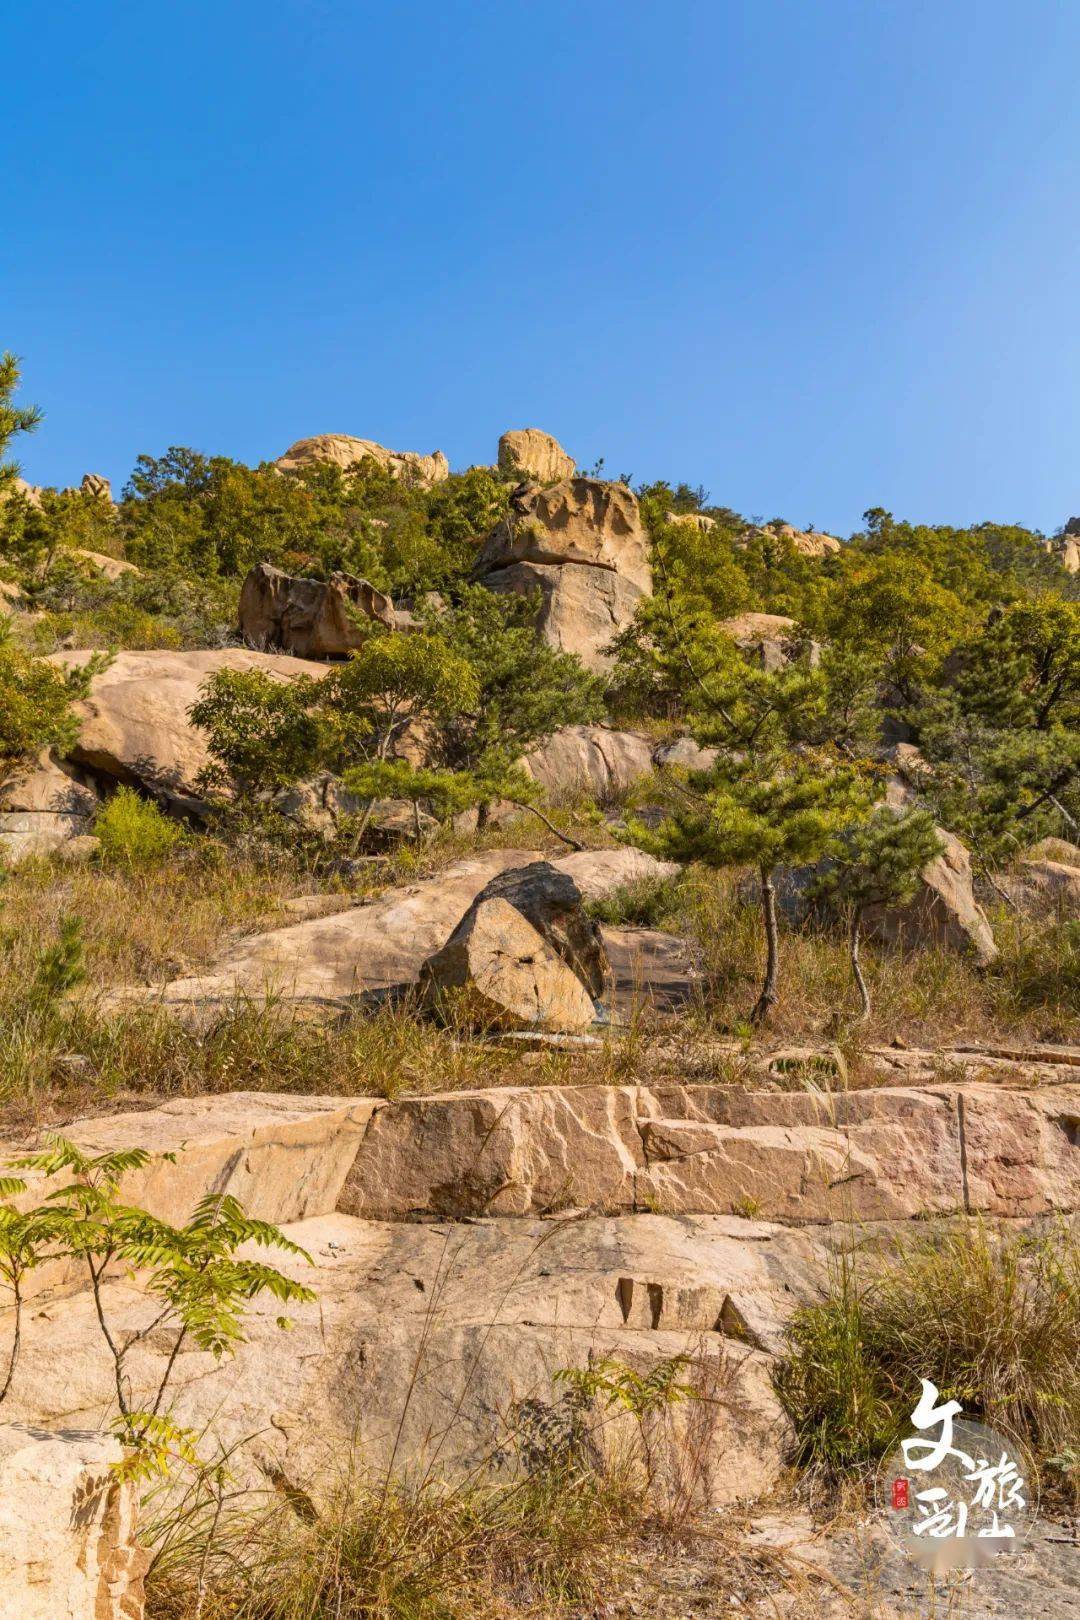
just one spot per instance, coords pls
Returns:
(14, 418)
(262, 734)
(35, 704)
(199, 1280)
(876, 862)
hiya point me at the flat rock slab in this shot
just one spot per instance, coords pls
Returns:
(873, 1155)
(650, 969)
(442, 1341)
(373, 947)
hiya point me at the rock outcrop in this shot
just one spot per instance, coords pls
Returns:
(310, 618)
(328, 961)
(1040, 888)
(498, 972)
(449, 1291)
(1065, 547)
(597, 760)
(944, 911)
(134, 725)
(67, 1528)
(41, 808)
(769, 639)
(535, 456)
(113, 568)
(697, 520)
(341, 450)
(808, 542)
(582, 545)
(96, 485)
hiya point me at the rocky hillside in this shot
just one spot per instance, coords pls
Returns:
(496, 964)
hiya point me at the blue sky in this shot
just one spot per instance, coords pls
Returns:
(814, 254)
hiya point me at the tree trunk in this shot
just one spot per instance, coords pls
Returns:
(856, 966)
(768, 997)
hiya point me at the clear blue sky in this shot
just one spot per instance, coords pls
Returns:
(815, 254)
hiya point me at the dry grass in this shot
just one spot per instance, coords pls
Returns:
(929, 997)
(62, 1054)
(991, 1316)
(476, 1552)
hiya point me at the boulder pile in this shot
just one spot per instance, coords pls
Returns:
(582, 546)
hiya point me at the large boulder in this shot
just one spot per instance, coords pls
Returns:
(944, 911)
(113, 568)
(580, 520)
(311, 618)
(1040, 888)
(597, 760)
(501, 973)
(535, 455)
(549, 899)
(134, 725)
(341, 450)
(97, 485)
(582, 545)
(67, 1528)
(807, 542)
(41, 807)
(364, 949)
(581, 609)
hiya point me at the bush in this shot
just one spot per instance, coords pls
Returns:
(134, 832)
(993, 1320)
(651, 902)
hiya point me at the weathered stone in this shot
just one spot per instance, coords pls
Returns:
(1040, 888)
(807, 542)
(580, 520)
(697, 520)
(134, 724)
(311, 618)
(96, 485)
(767, 638)
(67, 1528)
(45, 784)
(331, 960)
(341, 450)
(686, 754)
(36, 832)
(549, 899)
(504, 974)
(597, 760)
(113, 568)
(535, 455)
(83, 847)
(943, 912)
(581, 609)
(881, 1154)
(422, 1330)
(582, 546)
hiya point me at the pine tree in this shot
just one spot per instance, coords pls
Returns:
(13, 418)
(767, 808)
(876, 862)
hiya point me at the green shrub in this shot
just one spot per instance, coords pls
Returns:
(651, 902)
(134, 832)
